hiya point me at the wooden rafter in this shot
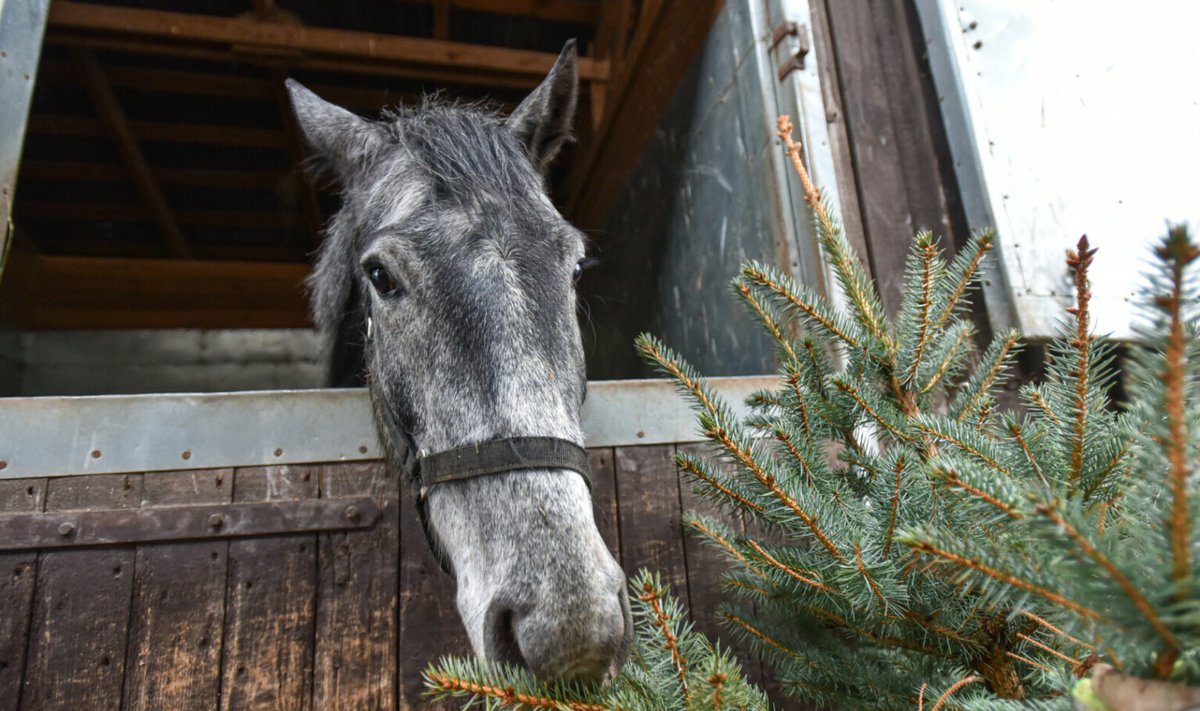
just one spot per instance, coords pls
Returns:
(131, 153)
(113, 212)
(51, 292)
(192, 177)
(185, 34)
(441, 19)
(667, 37)
(201, 134)
(579, 12)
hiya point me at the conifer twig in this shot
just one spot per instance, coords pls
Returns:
(957, 685)
(901, 462)
(506, 695)
(842, 261)
(1079, 261)
(662, 621)
(1178, 251)
(928, 254)
(792, 572)
(983, 245)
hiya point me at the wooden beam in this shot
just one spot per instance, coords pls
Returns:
(192, 177)
(579, 12)
(202, 134)
(441, 19)
(667, 38)
(172, 81)
(105, 102)
(114, 212)
(54, 292)
(178, 33)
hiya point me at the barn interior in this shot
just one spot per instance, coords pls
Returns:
(163, 208)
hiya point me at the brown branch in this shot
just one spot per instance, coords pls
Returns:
(747, 460)
(721, 541)
(507, 695)
(1179, 252)
(690, 467)
(1042, 405)
(1131, 591)
(1049, 650)
(870, 581)
(854, 395)
(963, 446)
(928, 253)
(1030, 662)
(841, 259)
(786, 439)
(692, 386)
(992, 374)
(1044, 623)
(953, 480)
(759, 277)
(891, 529)
(792, 572)
(1015, 431)
(661, 620)
(985, 246)
(748, 295)
(759, 634)
(1008, 579)
(957, 685)
(1078, 262)
(944, 366)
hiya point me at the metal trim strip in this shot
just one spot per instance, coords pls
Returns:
(65, 436)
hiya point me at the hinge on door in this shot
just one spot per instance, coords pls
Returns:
(795, 59)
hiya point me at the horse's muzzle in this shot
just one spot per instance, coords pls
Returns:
(587, 638)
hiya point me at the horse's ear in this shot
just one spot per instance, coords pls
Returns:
(342, 142)
(544, 119)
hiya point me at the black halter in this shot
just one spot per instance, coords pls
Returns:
(510, 454)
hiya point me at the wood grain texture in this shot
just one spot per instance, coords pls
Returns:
(18, 573)
(651, 536)
(80, 619)
(898, 154)
(358, 612)
(177, 614)
(270, 602)
(604, 498)
(429, 622)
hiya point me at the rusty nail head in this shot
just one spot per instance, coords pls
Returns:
(66, 528)
(353, 513)
(216, 520)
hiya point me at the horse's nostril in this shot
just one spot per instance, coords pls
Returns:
(504, 637)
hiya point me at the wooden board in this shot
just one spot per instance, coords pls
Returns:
(429, 622)
(648, 490)
(178, 609)
(604, 498)
(80, 620)
(270, 602)
(358, 615)
(18, 572)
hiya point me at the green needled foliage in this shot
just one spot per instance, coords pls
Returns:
(671, 668)
(922, 541)
(915, 546)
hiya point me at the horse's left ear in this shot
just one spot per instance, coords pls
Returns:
(544, 119)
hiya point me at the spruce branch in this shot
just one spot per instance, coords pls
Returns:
(862, 297)
(1177, 251)
(1078, 262)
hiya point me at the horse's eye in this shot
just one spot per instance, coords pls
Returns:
(381, 280)
(578, 271)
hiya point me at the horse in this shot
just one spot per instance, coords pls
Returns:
(447, 277)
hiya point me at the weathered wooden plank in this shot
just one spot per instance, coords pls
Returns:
(604, 498)
(18, 571)
(648, 496)
(270, 606)
(429, 623)
(887, 221)
(173, 660)
(357, 612)
(80, 622)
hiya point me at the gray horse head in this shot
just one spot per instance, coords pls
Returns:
(447, 240)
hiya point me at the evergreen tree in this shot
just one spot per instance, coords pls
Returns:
(921, 547)
(671, 668)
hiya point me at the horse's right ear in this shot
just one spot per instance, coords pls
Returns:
(342, 142)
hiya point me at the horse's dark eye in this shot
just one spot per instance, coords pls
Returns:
(381, 280)
(578, 271)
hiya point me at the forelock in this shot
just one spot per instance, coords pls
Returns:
(465, 150)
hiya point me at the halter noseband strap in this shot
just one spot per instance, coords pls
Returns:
(510, 454)
(497, 457)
